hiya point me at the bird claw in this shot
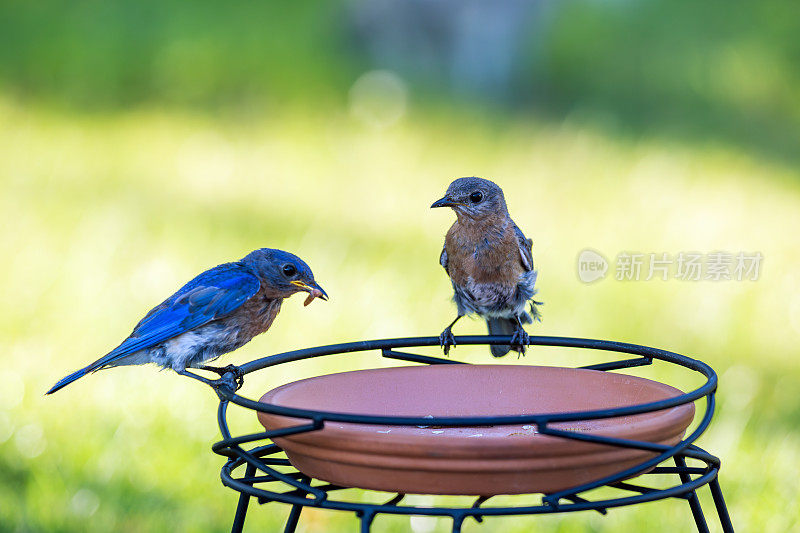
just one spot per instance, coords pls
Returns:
(235, 381)
(520, 340)
(232, 382)
(447, 339)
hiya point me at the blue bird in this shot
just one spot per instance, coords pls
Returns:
(490, 264)
(217, 312)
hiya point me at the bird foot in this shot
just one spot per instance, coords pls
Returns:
(520, 340)
(238, 376)
(447, 339)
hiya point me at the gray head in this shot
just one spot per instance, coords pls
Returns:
(283, 274)
(474, 197)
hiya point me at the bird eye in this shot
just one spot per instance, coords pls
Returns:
(289, 270)
(476, 197)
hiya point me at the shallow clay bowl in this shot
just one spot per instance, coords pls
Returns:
(482, 460)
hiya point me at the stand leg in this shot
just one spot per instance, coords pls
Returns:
(694, 502)
(294, 516)
(366, 521)
(719, 503)
(244, 501)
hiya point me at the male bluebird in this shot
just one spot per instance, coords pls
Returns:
(489, 262)
(217, 312)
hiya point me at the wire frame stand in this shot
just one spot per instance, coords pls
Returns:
(257, 468)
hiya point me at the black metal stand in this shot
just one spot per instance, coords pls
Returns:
(269, 477)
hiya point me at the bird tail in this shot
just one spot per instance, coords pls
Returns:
(94, 367)
(63, 382)
(127, 353)
(500, 326)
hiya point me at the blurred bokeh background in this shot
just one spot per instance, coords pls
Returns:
(142, 142)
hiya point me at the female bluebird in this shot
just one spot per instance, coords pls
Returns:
(489, 262)
(217, 312)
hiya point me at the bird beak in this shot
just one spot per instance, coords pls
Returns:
(444, 202)
(313, 290)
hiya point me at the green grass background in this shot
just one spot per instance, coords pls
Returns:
(115, 194)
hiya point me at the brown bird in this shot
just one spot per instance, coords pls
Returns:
(489, 262)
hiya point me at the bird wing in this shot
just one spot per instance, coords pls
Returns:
(211, 295)
(525, 246)
(443, 258)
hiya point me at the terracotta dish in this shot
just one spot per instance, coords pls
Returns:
(470, 460)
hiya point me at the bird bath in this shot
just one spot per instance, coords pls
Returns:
(478, 430)
(480, 460)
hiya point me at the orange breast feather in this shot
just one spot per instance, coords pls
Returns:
(483, 254)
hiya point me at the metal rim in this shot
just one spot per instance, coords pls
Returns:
(390, 344)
